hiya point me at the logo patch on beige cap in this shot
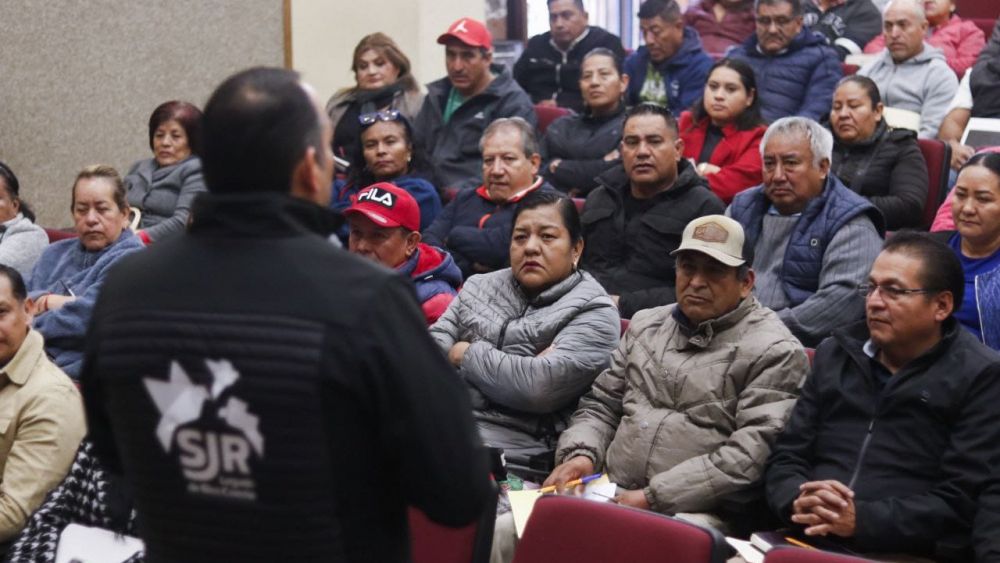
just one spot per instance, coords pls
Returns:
(711, 232)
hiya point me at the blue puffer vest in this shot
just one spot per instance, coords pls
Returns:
(819, 221)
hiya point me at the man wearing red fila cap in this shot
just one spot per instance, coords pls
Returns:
(385, 227)
(458, 108)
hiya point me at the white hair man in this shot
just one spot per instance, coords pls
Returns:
(814, 239)
(911, 74)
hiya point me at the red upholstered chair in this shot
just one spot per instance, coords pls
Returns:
(579, 201)
(978, 9)
(572, 530)
(547, 114)
(625, 323)
(985, 24)
(849, 69)
(59, 234)
(937, 154)
(434, 543)
(799, 555)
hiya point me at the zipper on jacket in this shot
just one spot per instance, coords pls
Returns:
(503, 329)
(861, 454)
(979, 308)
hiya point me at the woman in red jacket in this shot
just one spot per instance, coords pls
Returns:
(722, 131)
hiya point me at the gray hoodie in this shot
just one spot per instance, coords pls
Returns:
(21, 244)
(923, 83)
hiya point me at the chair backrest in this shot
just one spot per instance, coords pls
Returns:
(547, 114)
(578, 202)
(978, 9)
(433, 543)
(937, 154)
(624, 323)
(849, 69)
(798, 555)
(985, 24)
(569, 529)
(59, 234)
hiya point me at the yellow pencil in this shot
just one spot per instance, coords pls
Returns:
(798, 543)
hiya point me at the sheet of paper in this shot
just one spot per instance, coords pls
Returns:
(746, 550)
(94, 545)
(522, 502)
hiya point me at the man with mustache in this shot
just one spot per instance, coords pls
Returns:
(671, 68)
(895, 432)
(813, 237)
(458, 108)
(911, 74)
(796, 70)
(635, 217)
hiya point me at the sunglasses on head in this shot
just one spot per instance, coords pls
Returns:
(384, 115)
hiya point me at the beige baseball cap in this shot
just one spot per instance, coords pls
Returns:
(716, 235)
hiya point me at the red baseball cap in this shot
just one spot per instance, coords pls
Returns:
(470, 32)
(388, 206)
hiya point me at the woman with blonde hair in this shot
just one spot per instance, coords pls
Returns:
(383, 82)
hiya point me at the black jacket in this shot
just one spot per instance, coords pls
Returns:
(453, 147)
(889, 170)
(847, 27)
(915, 453)
(633, 260)
(317, 409)
(581, 142)
(546, 73)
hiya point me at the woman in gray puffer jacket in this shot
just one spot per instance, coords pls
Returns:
(530, 339)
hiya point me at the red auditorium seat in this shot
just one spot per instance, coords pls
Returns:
(59, 234)
(985, 24)
(434, 543)
(564, 529)
(849, 69)
(579, 201)
(547, 114)
(798, 555)
(624, 325)
(938, 157)
(985, 9)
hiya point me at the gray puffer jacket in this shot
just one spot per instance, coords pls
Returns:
(689, 414)
(529, 360)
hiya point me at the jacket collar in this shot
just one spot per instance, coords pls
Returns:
(554, 293)
(701, 335)
(574, 43)
(484, 193)
(617, 181)
(260, 215)
(22, 365)
(853, 338)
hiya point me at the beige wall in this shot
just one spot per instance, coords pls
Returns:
(79, 79)
(324, 33)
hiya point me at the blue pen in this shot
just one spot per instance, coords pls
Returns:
(571, 484)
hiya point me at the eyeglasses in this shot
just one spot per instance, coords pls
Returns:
(384, 115)
(889, 292)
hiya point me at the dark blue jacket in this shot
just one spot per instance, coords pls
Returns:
(684, 73)
(818, 222)
(476, 230)
(423, 191)
(799, 81)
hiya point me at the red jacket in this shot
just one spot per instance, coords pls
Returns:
(961, 40)
(737, 154)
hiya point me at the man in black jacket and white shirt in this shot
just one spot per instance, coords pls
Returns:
(270, 397)
(895, 431)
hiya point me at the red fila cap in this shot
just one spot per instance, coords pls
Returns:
(470, 32)
(387, 206)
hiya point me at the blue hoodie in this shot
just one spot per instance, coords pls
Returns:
(799, 81)
(684, 74)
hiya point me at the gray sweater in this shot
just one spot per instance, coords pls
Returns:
(924, 83)
(21, 243)
(164, 194)
(530, 359)
(846, 263)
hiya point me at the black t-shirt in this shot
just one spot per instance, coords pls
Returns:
(713, 136)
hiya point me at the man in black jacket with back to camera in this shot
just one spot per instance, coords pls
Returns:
(270, 397)
(895, 432)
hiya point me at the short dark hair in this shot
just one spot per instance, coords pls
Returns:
(940, 268)
(17, 286)
(988, 160)
(669, 10)
(604, 52)
(567, 210)
(749, 117)
(866, 84)
(795, 4)
(360, 176)
(187, 115)
(577, 3)
(13, 186)
(649, 108)
(257, 126)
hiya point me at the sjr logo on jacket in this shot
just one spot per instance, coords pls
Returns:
(214, 445)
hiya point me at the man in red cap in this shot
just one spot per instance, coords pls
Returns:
(385, 227)
(458, 108)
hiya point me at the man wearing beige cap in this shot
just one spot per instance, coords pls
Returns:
(458, 108)
(707, 384)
